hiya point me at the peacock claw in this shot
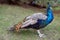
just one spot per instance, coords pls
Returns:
(42, 35)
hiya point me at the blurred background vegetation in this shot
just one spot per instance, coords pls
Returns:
(38, 2)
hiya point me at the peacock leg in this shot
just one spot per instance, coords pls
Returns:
(40, 35)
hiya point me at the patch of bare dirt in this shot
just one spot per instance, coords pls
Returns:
(33, 7)
(56, 11)
(23, 4)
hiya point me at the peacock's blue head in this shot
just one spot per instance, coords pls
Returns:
(49, 6)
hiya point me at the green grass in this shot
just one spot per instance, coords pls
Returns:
(10, 15)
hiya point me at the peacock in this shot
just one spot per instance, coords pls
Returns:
(42, 21)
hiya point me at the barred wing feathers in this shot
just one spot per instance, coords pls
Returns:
(37, 16)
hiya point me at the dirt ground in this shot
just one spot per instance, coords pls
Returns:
(38, 9)
(29, 6)
(56, 11)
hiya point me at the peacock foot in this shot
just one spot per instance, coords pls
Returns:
(42, 35)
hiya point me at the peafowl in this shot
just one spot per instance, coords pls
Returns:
(42, 20)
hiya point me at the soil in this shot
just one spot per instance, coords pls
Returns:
(33, 7)
(56, 11)
(39, 8)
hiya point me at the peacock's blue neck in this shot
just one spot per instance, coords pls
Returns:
(49, 15)
(49, 19)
